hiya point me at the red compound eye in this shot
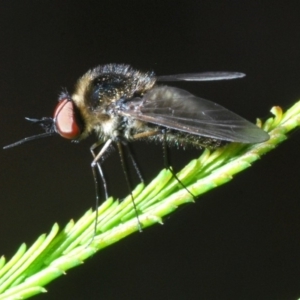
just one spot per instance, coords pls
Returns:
(67, 123)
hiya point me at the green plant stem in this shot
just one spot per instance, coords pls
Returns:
(29, 270)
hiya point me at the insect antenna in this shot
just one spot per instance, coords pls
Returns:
(46, 123)
(28, 139)
(167, 163)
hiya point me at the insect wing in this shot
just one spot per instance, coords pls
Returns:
(180, 110)
(208, 76)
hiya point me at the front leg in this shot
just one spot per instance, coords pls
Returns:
(93, 165)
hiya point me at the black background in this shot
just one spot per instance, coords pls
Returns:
(241, 241)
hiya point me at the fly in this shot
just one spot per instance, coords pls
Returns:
(122, 105)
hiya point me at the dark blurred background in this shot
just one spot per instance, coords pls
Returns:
(240, 241)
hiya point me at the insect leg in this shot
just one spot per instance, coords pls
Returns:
(100, 171)
(167, 164)
(146, 134)
(125, 171)
(134, 163)
(95, 163)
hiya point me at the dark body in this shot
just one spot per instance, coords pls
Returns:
(117, 101)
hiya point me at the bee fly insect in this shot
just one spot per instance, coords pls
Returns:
(120, 105)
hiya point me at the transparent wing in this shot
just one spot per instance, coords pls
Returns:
(178, 109)
(208, 76)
